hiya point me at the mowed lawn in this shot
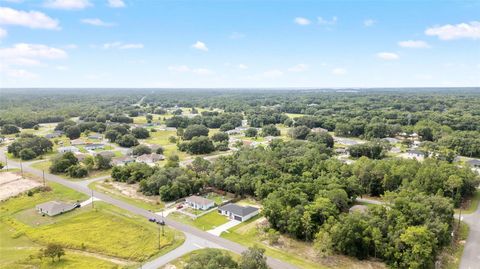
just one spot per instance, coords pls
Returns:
(206, 222)
(106, 230)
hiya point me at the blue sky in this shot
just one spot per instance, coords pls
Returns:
(154, 43)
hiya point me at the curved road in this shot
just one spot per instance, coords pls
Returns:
(471, 252)
(195, 238)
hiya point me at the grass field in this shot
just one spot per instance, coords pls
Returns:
(45, 166)
(181, 262)
(107, 188)
(205, 222)
(105, 230)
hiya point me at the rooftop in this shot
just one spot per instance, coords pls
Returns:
(199, 200)
(239, 210)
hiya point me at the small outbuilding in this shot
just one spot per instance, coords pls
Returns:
(198, 202)
(53, 208)
(237, 212)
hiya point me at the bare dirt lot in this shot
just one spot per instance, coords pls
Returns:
(12, 184)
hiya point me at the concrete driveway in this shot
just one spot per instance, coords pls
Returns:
(222, 228)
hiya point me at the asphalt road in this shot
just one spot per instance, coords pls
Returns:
(471, 252)
(193, 235)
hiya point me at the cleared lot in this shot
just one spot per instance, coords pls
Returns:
(12, 184)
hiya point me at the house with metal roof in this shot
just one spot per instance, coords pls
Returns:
(53, 208)
(237, 212)
(198, 202)
(68, 149)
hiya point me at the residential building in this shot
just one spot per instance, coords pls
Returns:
(77, 142)
(94, 146)
(413, 153)
(150, 158)
(120, 161)
(237, 212)
(474, 163)
(68, 149)
(198, 202)
(95, 136)
(53, 208)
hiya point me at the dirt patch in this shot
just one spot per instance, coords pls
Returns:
(129, 190)
(12, 184)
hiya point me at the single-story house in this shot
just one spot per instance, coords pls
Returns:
(68, 149)
(198, 202)
(53, 208)
(232, 132)
(94, 146)
(319, 130)
(52, 135)
(77, 142)
(106, 154)
(120, 161)
(413, 153)
(236, 212)
(391, 140)
(95, 136)
(474, 163)
(150, 158)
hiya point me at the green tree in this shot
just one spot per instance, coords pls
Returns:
(416, 248)
(73, 132)
(127, 141)
(141, 150)
(211, 259)
(253, 258)
(9, 129)
(251, 132)
(195, 130)
(54, 251)
(299, 132)
(140, 133)
(270, 130)
(27, 154)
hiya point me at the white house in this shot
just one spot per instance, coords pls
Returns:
(198, 202)
(120, 161)
(53, 208)
(236, 212)
(68, 149)
(94, 146)
(415, 154)
(150, 158)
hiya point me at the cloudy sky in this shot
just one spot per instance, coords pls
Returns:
(140, 43)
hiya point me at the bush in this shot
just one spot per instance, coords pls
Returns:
(300, 132)
(140, 133)
(140, 150)
(220, 137)
(77, 171)
(195, 130)
(127, 141)
(27, 154)
(270, 130)
(251, 132)
(9, 129)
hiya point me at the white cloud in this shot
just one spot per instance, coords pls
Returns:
(414, 44)
(242, 66)
(339, 71)
(462, 30)
(273, 73)
(299, 68)
(323, 21)
(61, 68)
(39, 51)
(388, 56)
(67, 4)
(203, 71)
(369, 22)
(122, 46)
(31, 19)
(179, 68)
(3, 33)
(20, 73)
(131, 46)
(236, 35)
(23, 62)
(97, 22)
(116, 3)
(199, 45)
(301, 21)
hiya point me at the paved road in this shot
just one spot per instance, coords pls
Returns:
(190, 232)
(471, 252)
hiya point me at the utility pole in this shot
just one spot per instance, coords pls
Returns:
(43, 175)
(92, 199)
(159, 238)
(21, 168)
(6, 162)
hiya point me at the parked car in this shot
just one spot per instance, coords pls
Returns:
(77, 205)
(179, 206)
(152, 220)
(161, 222)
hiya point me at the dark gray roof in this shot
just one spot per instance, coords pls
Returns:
(474, 162)
(414, 151)
(239, 210)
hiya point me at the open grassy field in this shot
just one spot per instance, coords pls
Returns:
(205, 222)
(16, 252)
(106, 187)
(182, 261)
(296, 252)
(104, 230)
